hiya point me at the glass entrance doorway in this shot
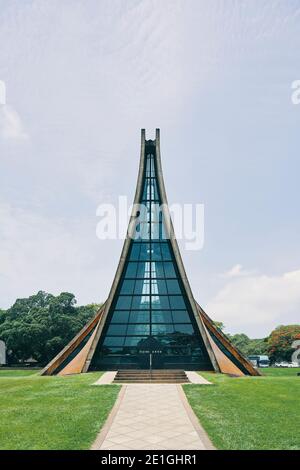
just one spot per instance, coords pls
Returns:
(150, 352)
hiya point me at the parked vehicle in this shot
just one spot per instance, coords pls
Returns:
(286, 364)
(259, 360)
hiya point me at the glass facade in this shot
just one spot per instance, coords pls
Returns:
(150, 300)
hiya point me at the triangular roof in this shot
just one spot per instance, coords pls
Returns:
(91, 344)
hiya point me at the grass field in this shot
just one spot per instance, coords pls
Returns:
(68, 412)
(280, 371)
(52, 412)
(17, 372)
(250, 412)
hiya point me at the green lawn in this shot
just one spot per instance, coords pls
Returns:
(17, 372)
(52, 412)
(250, 412)
(280, 371)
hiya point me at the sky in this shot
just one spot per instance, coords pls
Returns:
(83, 77)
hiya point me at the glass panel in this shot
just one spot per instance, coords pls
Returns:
(156, 254)
(160, 302)
(157, 269)
(142, 287)
(155, 231)
(155, 212)
(141, 302)
(159, 287)
(164, 232)
(135, 251)
(173, 287)
(166, 254)
(117, 350)
(127, 287)
(124, 302)
(114, 341)
(176, 301)
(143, 231)
(175, 339)
(180, 316)
(162, 329)
(148, 166)
(133, 340)
(116, 329)
(138, 329)
(145, 251)
(142, 316)
(161, 316)
(143, 270)
(184, 328)
(121, 316)
(131, 270)
(169, 270)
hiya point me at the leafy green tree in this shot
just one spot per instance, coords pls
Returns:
(248, 346)
(241, 341)
(219, 325)
(280, 342)
(257, 346)
(41, 325)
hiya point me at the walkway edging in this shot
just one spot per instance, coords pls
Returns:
(195, 422)
(103, 432)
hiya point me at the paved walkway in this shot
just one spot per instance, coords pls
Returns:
(106, 378)
(152, 416)
(196, 378)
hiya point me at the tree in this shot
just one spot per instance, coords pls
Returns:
(247, 346)
(220, 325)
(41, 325)
(280, 342)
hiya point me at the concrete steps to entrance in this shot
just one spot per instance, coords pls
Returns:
(153, 376)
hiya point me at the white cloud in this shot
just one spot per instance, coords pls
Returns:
(90, 75)
(11, 126)
(255, 304)
(236, 271)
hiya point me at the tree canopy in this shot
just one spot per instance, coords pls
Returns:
(39, 326)
(249, 346)
(280, 342)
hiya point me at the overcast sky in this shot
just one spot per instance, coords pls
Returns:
(83, 77)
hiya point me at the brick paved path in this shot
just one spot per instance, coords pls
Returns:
(152, 416)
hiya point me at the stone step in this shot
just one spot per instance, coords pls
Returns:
(136, 377)
(139, 381)
(154, 376)
(153, 370)
(158, 373)
(150, 373)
